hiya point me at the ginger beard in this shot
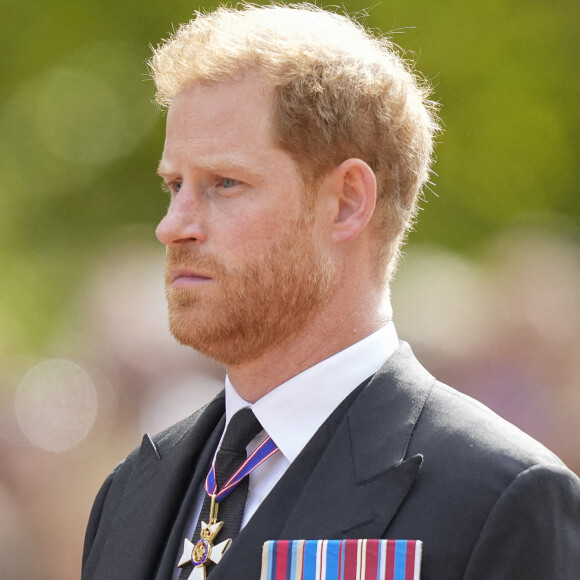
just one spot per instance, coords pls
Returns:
(256, 307)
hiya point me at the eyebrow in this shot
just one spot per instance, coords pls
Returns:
(210, 165)
(164, 168)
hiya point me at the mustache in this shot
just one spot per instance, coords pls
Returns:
(188, 259)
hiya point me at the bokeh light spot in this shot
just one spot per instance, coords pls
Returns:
(80, 117)
(56, 405)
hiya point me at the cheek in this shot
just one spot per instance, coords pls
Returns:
(249, 233)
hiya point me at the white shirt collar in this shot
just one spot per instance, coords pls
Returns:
(309, 398)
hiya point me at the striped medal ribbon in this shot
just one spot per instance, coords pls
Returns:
(263, 452)
(364, 559)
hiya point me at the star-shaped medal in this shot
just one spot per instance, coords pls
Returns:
(203, 552)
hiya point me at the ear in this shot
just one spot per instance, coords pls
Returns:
(355, 187)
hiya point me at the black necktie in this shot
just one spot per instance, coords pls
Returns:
(242, 428)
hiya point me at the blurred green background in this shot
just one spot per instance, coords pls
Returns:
(79, 138)
(488, 293)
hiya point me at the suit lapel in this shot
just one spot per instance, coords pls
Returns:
(174, 544)
(351, 478)
(364, 475)
(163, 471)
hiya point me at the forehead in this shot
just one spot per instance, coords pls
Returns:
(229, 112)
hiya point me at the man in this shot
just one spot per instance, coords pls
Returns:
(297, 145)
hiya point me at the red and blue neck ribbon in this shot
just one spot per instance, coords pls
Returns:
(263, 452)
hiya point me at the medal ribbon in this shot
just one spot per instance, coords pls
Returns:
(264, 451)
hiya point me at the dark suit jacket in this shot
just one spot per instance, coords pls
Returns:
(410, 458)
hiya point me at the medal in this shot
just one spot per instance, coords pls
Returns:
(204, 551)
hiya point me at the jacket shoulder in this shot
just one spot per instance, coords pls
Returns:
(472, 430)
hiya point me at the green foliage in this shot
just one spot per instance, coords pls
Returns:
(79, 137)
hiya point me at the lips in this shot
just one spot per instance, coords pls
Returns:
(185, 277)
(184, 268)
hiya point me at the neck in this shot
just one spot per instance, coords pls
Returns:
(329, 331)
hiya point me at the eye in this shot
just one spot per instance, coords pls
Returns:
(228, 183)
(171, 187)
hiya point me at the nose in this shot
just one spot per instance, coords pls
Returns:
(181, 224)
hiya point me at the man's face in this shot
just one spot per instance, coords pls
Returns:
(246, 264)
